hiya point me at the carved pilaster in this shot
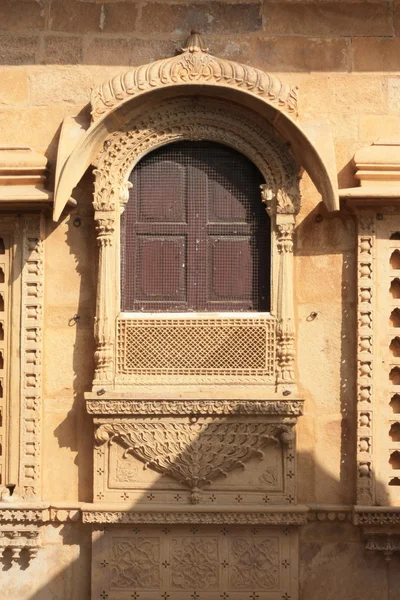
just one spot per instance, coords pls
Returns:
(105, 301)
(285, 309)
(365, 348)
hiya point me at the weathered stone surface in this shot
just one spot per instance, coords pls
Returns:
(74, 16)
(69, 85)
(328, 18)
(111, 51)
(60, 50)
(376, 54)
(394, 95)
(21, 15)
(373, 127)
(299, 54)
(14, 89)
(207, 18)
(16, 125)
(119, 18)
(18, 49)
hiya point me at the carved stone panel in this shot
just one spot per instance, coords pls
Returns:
(194, 562)
(181, 460)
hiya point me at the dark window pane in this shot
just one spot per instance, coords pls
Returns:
(195, 235)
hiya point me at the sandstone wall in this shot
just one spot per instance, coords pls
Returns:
(345, 58)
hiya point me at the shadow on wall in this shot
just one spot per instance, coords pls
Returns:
(333, 561)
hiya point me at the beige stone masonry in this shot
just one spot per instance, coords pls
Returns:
(23, 176)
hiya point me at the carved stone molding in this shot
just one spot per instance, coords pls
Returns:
(294, 517)
(290, 408)
(386, 543)
(194, 65)
(19, 540)
(376, 516)
(365, 353)
(31, 351)
(187, 119)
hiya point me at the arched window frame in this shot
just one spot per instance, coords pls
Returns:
(183, 119)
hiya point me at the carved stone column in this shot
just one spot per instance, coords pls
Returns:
(282, 206)
(104, 322)
(285, 310)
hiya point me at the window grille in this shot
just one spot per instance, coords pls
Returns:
(195, 235)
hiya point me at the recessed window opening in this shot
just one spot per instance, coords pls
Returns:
(395, 403)
(195, 235)
(394, 320)
(395, 259)
(395, 432)
(395, 288)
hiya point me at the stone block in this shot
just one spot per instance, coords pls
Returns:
(114, 51)
(373, 127)
(299, 54)
(362, 575)
(33, 126)
(210, 17)
(62, 50)
(56, 86)
(376, 54)
(394, 95)
(327, 19)
(342, 94)
(74, 17)
(14, 88)
(20, 16)
(119, 18)
(18, 49)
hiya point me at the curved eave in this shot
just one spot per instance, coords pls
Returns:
(89, 145)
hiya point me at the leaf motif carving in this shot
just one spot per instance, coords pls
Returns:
(194, 454)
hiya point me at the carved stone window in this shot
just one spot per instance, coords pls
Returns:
(194, 234)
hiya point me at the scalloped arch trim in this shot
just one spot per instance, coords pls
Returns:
(193, 66)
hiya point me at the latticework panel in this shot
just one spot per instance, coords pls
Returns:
(198, 348)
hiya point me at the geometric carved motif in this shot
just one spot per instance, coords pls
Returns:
(31, 365)
(365, 354)
(151, 350)
(255, 563)
(182, 562)
(135, 563)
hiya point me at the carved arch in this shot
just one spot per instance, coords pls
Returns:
(185, 119)
(181, 119)
(193, 72)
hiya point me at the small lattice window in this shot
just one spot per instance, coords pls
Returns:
(195, 235)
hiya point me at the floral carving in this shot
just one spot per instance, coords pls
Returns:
(221, 518)
(125, 474)
(195, 563)
(195, 65)
(135, 563)
(198, 453)
(291, 408)
(255, 563)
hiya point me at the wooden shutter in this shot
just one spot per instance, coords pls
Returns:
(195, 235)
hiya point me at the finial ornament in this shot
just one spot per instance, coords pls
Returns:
(195, 43)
